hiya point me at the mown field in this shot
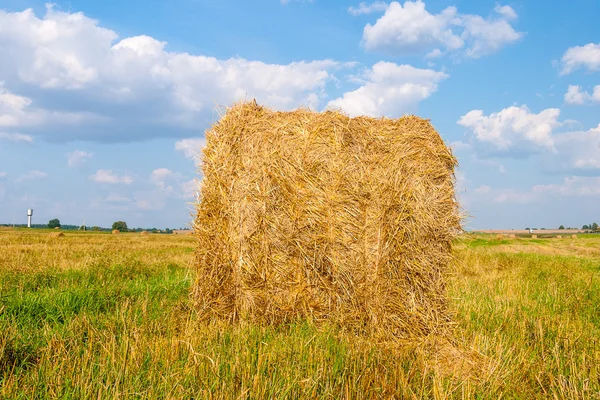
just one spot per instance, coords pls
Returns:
(93, 315)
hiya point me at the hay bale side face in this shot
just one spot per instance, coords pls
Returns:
(56, 234)
(325, 217)
(116, 232)
(144, 233)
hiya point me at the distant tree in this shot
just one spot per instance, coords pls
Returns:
(168, 231)
(120, 226)
(96, 228)
(526, 229)
(561, 227)
(54, 223)
(594, 227)
(585, 227)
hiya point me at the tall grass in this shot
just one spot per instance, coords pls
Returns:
(102, 316)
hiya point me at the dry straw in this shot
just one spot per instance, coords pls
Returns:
(56, 234)
(116, 232)
(326, 217)
(144, 233)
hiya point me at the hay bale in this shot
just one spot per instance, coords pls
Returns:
(512, 236)
(320, 216)
(144, 233)
(573, 236)
(534, 236)
(116, 232)
(56, 227)
(56, 234)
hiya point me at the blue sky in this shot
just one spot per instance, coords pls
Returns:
(104, 104)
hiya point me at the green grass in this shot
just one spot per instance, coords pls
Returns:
(100, 316)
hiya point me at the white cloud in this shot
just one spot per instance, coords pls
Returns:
(435, 53)
(513, 129)
(190, 189)
(116, 198)
(487, 36)
(506, 11)
(483, 189)
(389, 90)
(575, 95)
(16, 137)
(173, 184)
(78, 157)
(366, 8)
(3, 174)
(579, 152)
(511, 196)
(107, 176)
(160, 174)
(142, 89)
(17, 112)
(412, 29)
(191, 148)
(572, 186)
(32, 175)
(587, 56)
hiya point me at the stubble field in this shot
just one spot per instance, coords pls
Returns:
(93, 315)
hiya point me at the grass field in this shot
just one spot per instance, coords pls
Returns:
(93, 315)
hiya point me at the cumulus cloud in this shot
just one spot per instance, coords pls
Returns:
(506, 11)
(138, 88)
(78, 158)
(107, 176)
(578, 151)
(366, 8)
(191, 148)
(173, 184)
(389, 89)
(190, 189)
(514, 129)
(410, 28)
(17, 113)
(32, 175)
(569, 187)
(587, 57)
(572, 186)
(575, 95)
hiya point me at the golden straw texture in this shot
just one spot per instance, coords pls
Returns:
(326, 217)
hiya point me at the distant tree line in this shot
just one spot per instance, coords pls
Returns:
(590, 228)
(117, 225)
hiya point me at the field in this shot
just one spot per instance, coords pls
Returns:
(93, 315)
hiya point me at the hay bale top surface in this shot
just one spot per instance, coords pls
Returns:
(144, 233)
(116, 232)
(58, 227)
(56, 234)
(327, 217)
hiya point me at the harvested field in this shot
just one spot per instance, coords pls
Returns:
(90, 317)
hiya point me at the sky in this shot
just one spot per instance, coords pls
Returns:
(104, 104)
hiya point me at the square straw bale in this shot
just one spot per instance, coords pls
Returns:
(307, 215)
